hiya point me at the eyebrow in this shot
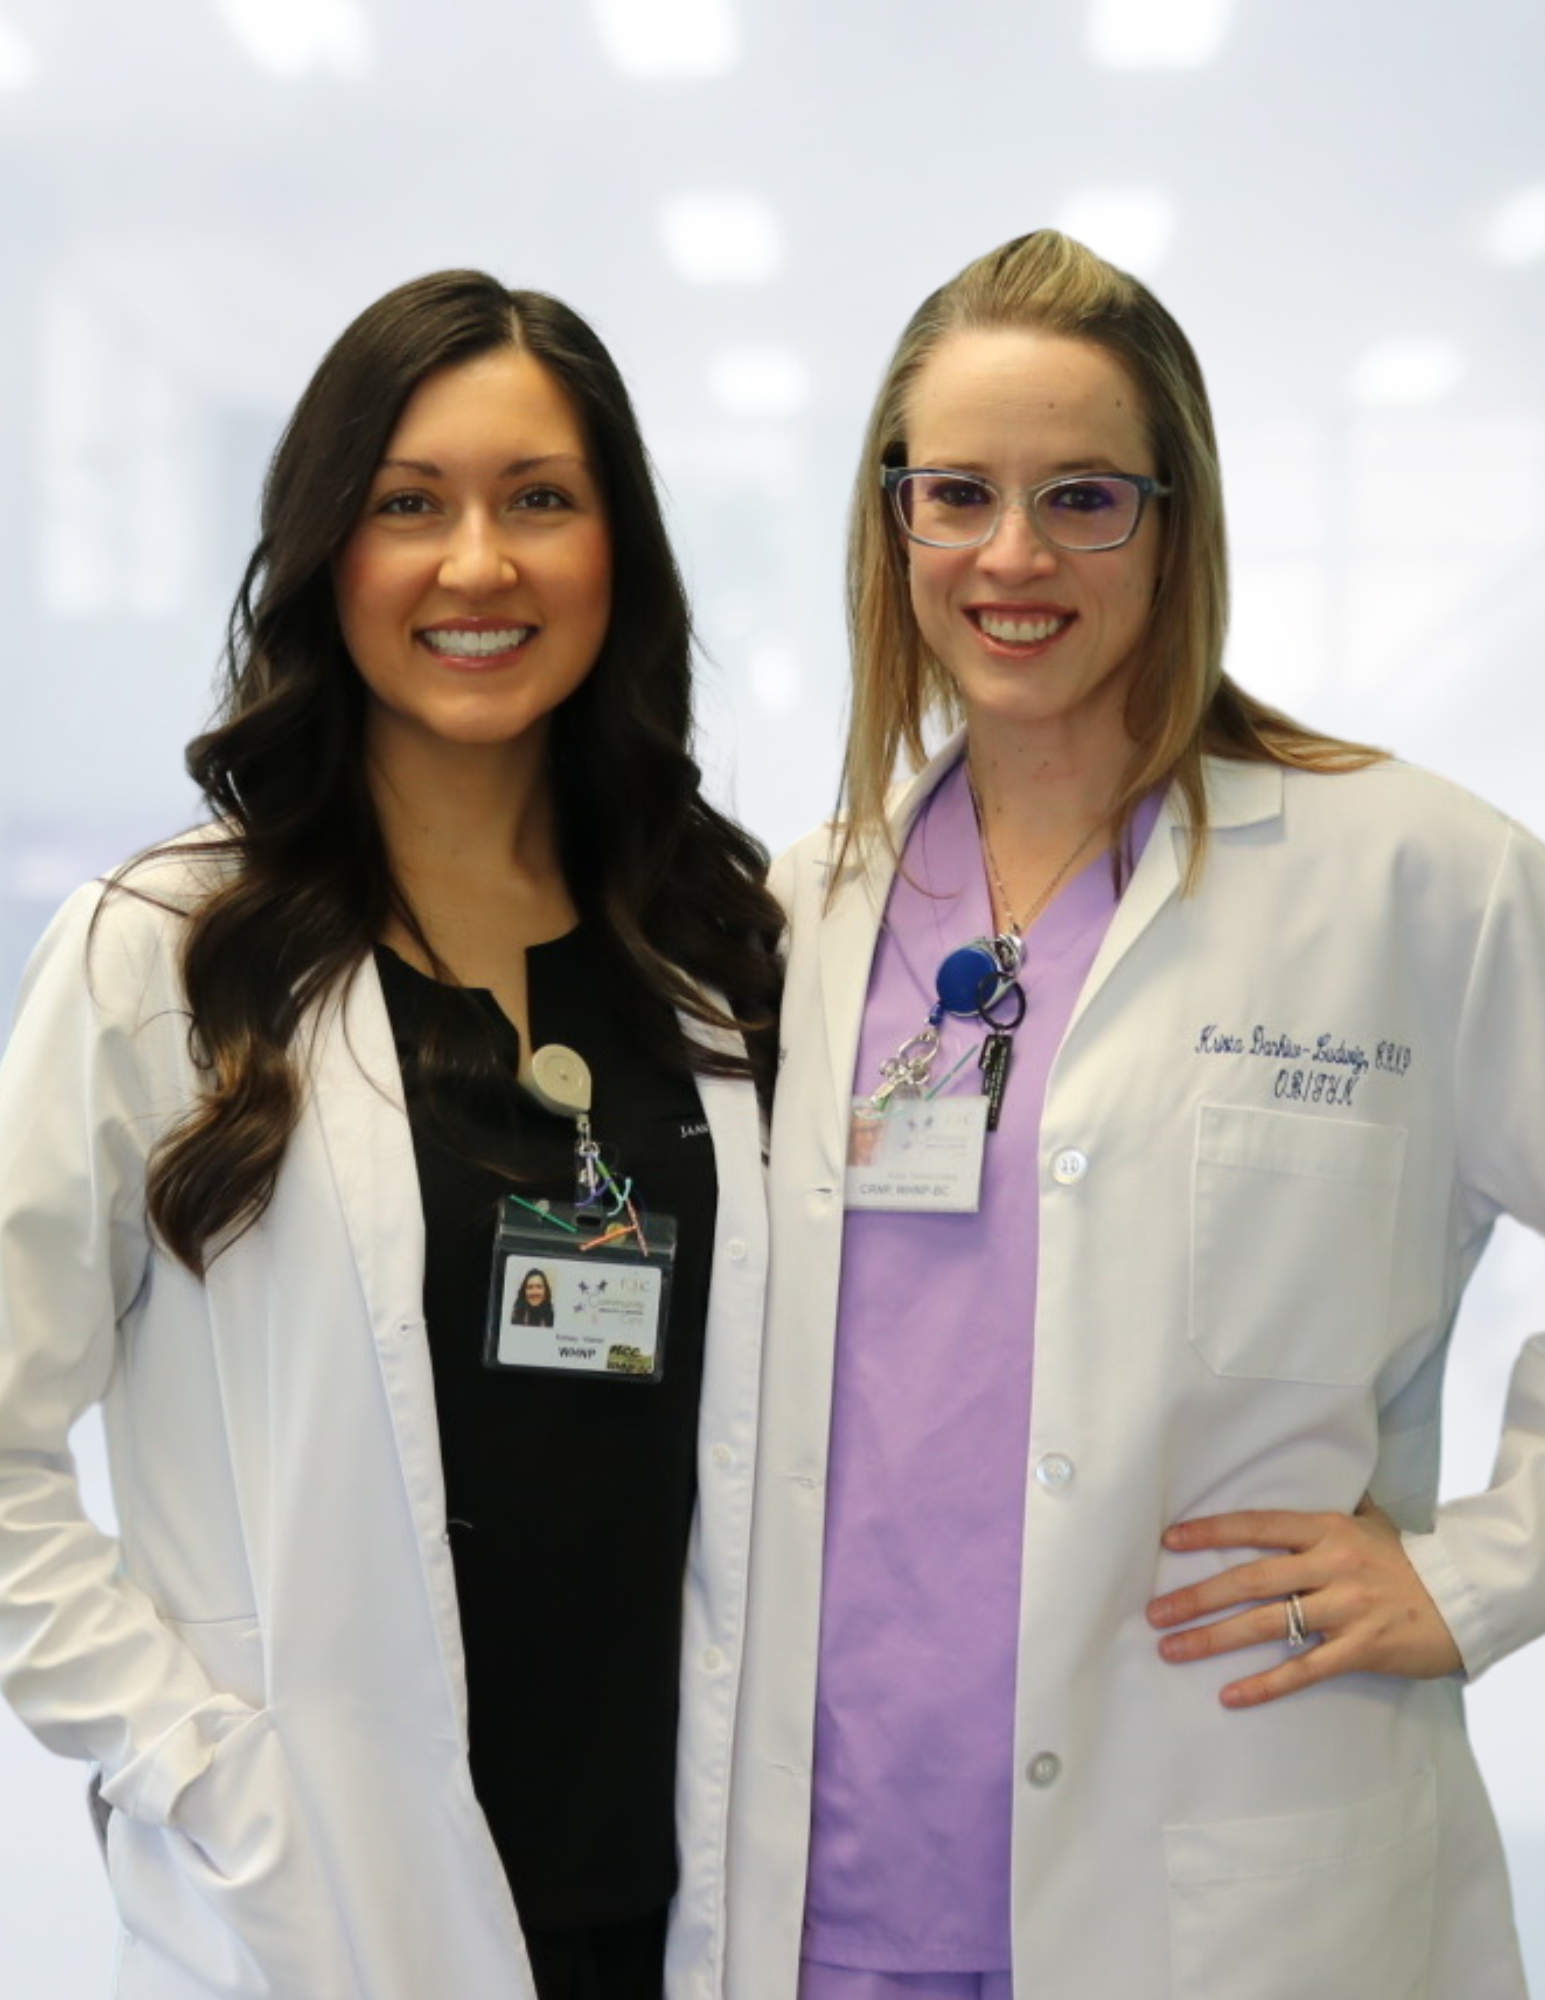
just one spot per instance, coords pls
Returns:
(427, 469)
(1096, 462)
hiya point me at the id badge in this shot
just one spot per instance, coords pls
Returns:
(917, 1153)
(567, 1298)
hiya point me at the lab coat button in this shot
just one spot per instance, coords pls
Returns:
(736, 1249)
(1069, 1165)
(1044, 1769)
(723, 1457)
(1054, 1471)
(713, 1660)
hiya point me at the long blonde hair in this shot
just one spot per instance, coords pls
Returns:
(1181, 705)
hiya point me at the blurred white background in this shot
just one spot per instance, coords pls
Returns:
(1344, 205)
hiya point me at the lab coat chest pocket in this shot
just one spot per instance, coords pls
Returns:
(1337, 1903)
(1292, 1243)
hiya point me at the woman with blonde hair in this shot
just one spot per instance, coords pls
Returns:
(1102, 1613)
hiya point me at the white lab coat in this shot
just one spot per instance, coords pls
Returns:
(1247, 1283)
(267, 1665)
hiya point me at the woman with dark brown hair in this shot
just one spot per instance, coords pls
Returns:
(388, 1677)
(533, 1301)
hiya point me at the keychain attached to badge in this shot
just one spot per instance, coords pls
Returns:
(579, 1288)
(998, 1048)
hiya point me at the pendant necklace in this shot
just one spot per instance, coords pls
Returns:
(1017, 926)
(998, 1047)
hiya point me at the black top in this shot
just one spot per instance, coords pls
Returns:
(570, 1500)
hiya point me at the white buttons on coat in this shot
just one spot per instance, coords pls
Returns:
(1069, 1165)
(723, 1457)
(735, 1249)
(1044, 1769)
(1054, 1471)
(713, 1660)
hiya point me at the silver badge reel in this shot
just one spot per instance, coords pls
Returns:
(579, 1288)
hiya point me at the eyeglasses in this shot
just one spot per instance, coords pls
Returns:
(960, 510)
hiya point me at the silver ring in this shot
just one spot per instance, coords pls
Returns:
(1298, 1630)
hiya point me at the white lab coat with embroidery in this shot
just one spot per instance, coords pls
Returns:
(1287, 1109)
(267, 1667)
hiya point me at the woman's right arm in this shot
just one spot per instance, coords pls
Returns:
(96, 1067)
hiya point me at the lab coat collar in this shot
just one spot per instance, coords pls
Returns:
(1237, 794)
(360, 1104)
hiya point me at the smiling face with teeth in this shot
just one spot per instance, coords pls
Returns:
(475, 592)
(1039, 641)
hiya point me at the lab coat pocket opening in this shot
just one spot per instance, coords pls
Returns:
(230, 1650)
(229, 1893)
(1337, 1903)
(1292, 1243)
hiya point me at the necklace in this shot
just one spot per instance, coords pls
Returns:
(1019, 925)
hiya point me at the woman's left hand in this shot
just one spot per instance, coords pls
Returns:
(1363, 1605)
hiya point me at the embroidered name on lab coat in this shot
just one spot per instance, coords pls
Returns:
(1323, 1069)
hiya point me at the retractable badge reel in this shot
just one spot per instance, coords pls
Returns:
(911, 1146)
(579, 1288)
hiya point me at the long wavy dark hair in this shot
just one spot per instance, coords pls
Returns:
(308, 886)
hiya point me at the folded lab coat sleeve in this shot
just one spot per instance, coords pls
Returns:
(1484, 1561)
(96, 1067)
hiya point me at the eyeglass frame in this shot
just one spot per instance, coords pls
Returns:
(1147, 489)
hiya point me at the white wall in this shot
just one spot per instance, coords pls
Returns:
(1341, 202)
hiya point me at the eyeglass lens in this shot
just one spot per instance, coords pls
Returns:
(953, 510)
